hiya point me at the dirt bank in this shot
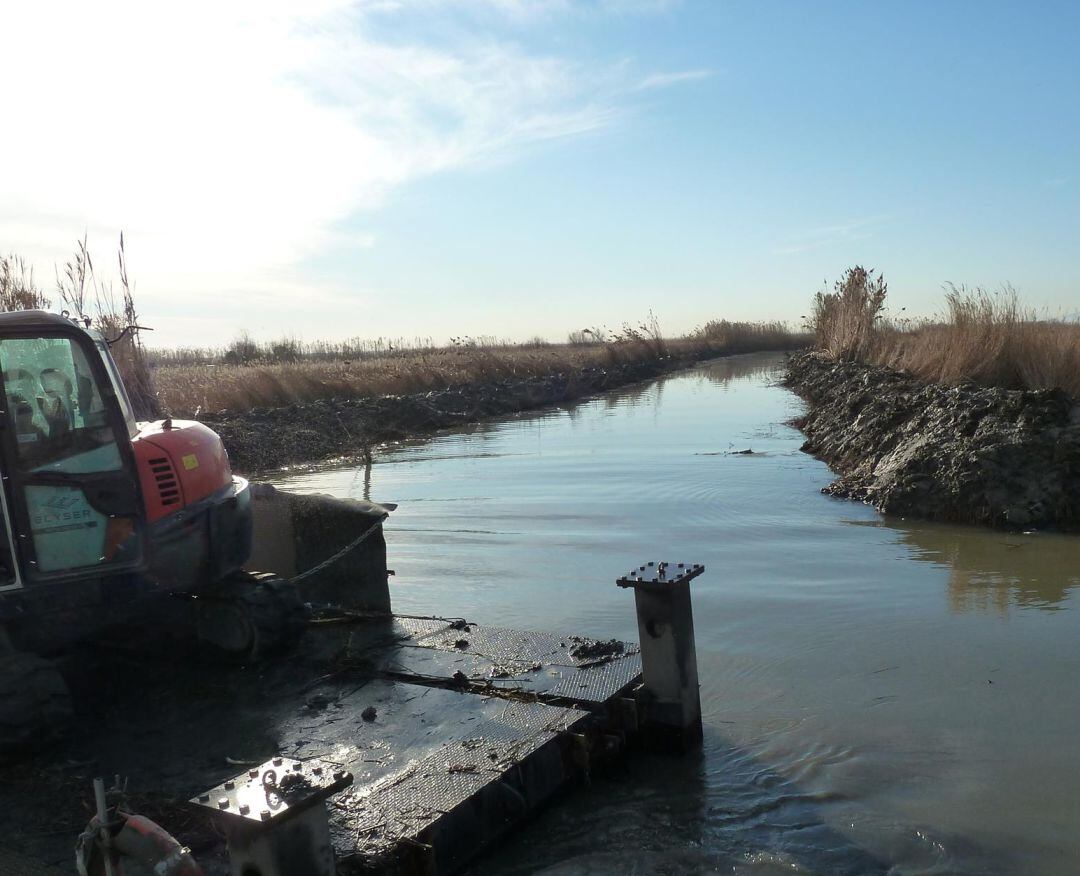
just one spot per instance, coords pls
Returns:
(968, 453)
(267, 438)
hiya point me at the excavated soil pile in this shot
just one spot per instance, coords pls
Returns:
(968, 453)
(266, 438)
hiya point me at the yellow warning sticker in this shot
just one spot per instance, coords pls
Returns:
(191, 461)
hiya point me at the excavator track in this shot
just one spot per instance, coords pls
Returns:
(250, 615)
(14, 864)
(35, 705)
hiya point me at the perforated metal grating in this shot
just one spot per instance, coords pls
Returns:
(599, 683)
(403, 807)
(419, 627)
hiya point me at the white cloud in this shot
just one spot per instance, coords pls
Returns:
(187, 130)
(664, 80)
(229, 140)
(529, 10)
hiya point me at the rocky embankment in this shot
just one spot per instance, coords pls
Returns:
(968, 453)
(267, 438)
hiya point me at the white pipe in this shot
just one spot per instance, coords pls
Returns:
(103, 826)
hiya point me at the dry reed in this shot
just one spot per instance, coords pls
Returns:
(195, 389)
(115, 318)
(984, 337)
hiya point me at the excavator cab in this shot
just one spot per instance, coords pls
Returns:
(108, 521)
(71, 504)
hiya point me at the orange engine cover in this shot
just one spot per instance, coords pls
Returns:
(179, 465)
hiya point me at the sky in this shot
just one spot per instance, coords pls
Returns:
(323, 169)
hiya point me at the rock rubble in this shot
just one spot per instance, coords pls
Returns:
(967, 453)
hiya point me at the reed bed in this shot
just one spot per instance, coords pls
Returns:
(988, 338)
(245, 350)
(220, 387)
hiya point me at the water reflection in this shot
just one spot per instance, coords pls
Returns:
(723, 371)
(992, 571)
(482, 429)
(650, 393)
(636, 394)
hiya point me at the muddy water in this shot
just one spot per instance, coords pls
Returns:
(879, 695)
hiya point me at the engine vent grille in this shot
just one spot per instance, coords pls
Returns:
(165, 478)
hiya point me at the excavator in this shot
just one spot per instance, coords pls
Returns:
(108, 521)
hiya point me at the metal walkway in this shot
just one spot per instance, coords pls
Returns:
(454, 732)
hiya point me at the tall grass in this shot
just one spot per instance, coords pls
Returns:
(746, 337)
(986, 337)
(95, 302)
(845, 321)
(209, 388)
(18, 291)
(245, 350)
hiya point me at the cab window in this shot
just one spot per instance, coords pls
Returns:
(58, 423)
(119, 389)
(55, 408)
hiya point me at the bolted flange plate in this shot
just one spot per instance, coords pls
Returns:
(274, 791)
(659, 574)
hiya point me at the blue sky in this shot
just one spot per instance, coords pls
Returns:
(502, 167)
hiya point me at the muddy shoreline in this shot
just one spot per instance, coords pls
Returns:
(264, 439)
(965, 454)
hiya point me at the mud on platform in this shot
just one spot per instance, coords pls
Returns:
(453, 731)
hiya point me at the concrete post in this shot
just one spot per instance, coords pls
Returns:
(671, 699)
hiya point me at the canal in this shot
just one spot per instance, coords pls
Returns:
(879, 695)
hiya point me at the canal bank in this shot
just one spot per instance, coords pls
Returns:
(965, 454)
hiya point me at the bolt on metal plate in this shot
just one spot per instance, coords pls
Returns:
(660, 574)
(274, 791)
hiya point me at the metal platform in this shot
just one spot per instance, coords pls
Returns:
(453, 732)
(568, 670)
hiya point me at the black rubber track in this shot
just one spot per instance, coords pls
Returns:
(35, 705)
(273, 607)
